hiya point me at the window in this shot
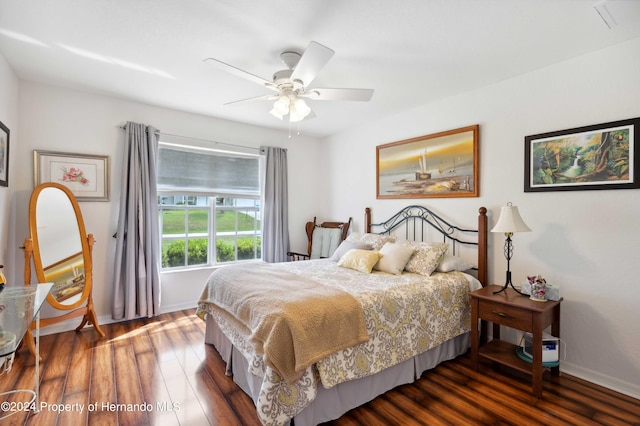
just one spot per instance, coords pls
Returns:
(208, 206)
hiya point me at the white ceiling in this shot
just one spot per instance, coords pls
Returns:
(411, 52)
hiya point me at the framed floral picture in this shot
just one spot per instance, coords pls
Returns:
(87, 176)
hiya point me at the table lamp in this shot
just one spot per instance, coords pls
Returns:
(509, 222)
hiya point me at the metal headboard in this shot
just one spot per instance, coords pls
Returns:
(416, 220)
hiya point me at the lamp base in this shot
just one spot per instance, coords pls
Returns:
(507, 284)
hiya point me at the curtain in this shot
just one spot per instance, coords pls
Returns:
(275, 224)
(136, 290)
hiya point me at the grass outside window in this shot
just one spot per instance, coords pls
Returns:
(227, 222)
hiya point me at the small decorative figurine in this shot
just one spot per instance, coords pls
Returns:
(538, 288)
(3, 279)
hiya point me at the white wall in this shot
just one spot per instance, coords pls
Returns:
(9, 117)
(585, 242)
(63, 120)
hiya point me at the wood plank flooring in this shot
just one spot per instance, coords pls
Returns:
(159, 372)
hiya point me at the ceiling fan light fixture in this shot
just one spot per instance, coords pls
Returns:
(282, 105)
(291, 83)
(294, 117)
(298, 110)
(276, 114)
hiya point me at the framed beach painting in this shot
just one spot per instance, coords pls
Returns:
(4, 155)
(87, 176)
(442, 164)
(601, 156)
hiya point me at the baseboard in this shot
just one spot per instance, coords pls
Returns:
(72, 324)
(630, 389)
(177, 307)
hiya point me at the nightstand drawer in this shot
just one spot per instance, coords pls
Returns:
(510, 316)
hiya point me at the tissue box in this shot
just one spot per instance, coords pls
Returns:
(553, 293)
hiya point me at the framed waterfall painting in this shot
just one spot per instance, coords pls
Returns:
(601, 156)
(439, 165)
(4, 155)
(87, 176)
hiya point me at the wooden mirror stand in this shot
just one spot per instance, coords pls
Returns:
(62, 254)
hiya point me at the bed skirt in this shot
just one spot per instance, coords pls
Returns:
(332, 403)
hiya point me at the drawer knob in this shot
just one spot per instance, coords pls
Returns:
(501, 314)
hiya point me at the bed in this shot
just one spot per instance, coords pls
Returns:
(310, 340)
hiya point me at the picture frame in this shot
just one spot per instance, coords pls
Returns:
(4, 155)
(86, 175)
(599, 156)
(437, 165)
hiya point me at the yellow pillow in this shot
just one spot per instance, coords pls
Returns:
(360, 260)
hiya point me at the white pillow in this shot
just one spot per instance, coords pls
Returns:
(450, 263)
(394, 258)
(345, 246)
(376, 241)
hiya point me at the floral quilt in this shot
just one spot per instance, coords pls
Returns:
(405, 315)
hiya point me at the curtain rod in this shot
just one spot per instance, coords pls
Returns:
(120, 126)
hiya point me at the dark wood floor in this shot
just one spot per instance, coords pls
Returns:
(162, 369)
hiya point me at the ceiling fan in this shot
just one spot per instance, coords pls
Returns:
(292, 84)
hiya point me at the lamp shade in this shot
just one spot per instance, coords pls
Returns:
(282, 105)
(276, 114)
(298, 110)
(293, 106)
(510, 221)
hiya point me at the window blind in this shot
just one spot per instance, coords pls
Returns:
(184, 170)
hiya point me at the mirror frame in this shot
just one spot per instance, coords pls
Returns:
(85, 241)
(32, 249)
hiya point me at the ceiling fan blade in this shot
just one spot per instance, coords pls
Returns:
(313, 59)
(255, 98)
(360, 95)
(241, 73)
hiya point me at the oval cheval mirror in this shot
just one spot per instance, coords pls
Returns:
(61, 251)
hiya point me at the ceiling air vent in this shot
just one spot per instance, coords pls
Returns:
(618, 12)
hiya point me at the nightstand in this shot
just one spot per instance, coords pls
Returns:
(513, 310)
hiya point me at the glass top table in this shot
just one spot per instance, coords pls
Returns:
(19, 306)
(19, 309)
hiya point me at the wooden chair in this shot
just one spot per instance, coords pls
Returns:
(327, 236)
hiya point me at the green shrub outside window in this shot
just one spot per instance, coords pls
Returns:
(197, 252)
